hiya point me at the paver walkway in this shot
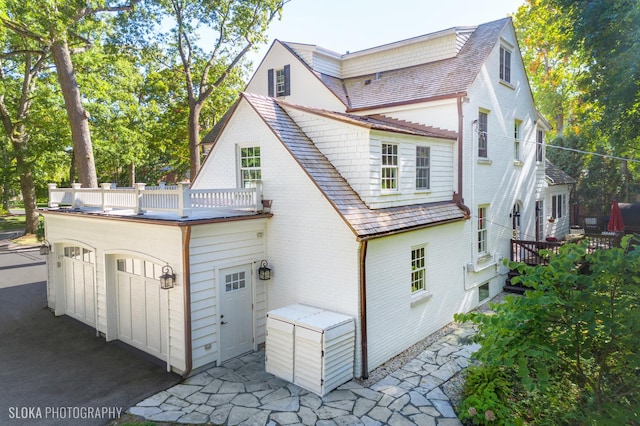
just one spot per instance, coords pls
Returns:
(240, 392)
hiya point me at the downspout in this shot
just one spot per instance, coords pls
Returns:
(363, 309)
(186, 285)
(458, 198)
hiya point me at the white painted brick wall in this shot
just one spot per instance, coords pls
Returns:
(501, 183)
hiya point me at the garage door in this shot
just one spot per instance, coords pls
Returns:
(141, 306)
(79, 280)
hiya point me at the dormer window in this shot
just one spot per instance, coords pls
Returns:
(279, 81)
(389, 172)
(505, 64)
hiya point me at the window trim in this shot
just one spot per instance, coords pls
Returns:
(483, 138)
(427, 168)
(419, 266)
(394, 176)
(482, 248)
(517, 141)
(505, 64)
(242, 168)
(539, 145)
(557, 206)
(272, 81)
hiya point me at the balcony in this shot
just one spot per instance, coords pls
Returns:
(178, 200)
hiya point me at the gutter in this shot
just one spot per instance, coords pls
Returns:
(186, 285)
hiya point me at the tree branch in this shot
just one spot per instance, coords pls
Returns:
(92, 11)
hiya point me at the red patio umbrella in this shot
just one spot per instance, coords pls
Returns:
(615, 221)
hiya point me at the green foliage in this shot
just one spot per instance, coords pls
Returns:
(487, 389)
(579, 327)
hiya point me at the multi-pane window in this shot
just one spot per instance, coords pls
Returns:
(80, 254)
(389, 171)
(516, 140)
(556, 206)
(139, 267)
(423, 165)
(280, 82)
(539, 145)
(482, 134)
(505, 65)
(250, 171)
(417, 269)
(234, 282)
(482, 230)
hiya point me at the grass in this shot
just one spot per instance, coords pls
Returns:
(26, 240)
(11, 223)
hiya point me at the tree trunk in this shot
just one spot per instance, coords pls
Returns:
(132, 174)
(194, 139)
(72, 168)
(27, 185)
(78, 116)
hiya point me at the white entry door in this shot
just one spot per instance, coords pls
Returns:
(236, 313)
(141, 306)
(79, 280)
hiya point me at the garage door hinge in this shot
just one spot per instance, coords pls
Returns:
(321, 354)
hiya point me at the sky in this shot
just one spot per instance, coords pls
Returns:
(352, 25)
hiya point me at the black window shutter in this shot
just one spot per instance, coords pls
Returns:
(287, 80)
(270, 82)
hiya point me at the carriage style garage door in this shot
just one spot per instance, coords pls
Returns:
(79, 280)
(141, 306)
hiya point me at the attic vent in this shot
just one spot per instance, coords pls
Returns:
(378, 75)
(367, 81)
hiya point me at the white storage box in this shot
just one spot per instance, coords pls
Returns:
(279, 344)
(313, 348)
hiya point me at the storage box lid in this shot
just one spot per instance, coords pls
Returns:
(323, 320)
(293, 313)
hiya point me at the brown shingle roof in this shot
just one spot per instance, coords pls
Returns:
(364, 222)
(439, 79)
(556, 176)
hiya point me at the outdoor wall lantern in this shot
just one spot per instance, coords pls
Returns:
(168, 278)
(264, 273)
(45, 248)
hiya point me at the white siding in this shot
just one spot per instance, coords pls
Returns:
(560, 227)
(406, 54)
(156, 243)
(441, 171)
(216, 246)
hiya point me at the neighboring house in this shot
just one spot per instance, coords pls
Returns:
(558, 192)
(384, 184)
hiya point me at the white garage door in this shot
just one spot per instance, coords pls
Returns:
(79, 280)
(141, 306)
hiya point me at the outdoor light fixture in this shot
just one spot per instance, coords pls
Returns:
(264, 273)
(168, 278)
(45, 248)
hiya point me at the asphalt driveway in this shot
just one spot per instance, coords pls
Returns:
(54, 370)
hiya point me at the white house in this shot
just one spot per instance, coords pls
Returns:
(384, 184)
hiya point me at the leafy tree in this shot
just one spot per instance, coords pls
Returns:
(233, 27)
(64, 28)
(577, 327)
(20, 65)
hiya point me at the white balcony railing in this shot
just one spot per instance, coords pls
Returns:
(180, 199)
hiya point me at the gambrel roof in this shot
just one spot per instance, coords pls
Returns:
(444, 78)
(364, 222)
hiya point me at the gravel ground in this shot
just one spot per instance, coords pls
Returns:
(453, 387)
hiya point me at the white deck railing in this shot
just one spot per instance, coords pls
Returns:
(180, 199)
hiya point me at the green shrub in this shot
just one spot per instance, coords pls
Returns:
(486, 391)
(579, 326)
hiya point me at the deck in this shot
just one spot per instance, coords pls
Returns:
(179, 200)
(535, 253)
